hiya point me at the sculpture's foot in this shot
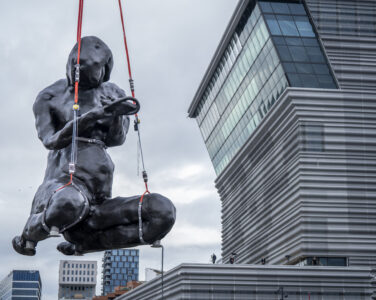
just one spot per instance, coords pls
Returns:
(23, 247)
(67, 248)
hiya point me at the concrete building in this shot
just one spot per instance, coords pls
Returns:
(118, 268)
(251, 282)
(77, 279)
(21, 285)
(287, 112)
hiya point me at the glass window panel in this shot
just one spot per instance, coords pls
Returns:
(251, 22)
(289, 67)
(310, 42)
(280, 8)
(294, 41)
(266, 7)
(299, 54)
(321, 69)
(326, 81)
(333, 261)
(323, 261)
(256, 42)
(273, 25)
(304, 26)
(264, 31)
(315, 54)
(275, 57)
(256, 12)
(294, 80)
(304, 68)
(309, 80)
(297, 9)
(287, 25)
(284, 53)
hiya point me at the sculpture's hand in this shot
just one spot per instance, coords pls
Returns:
(123, 106)
(95, 114)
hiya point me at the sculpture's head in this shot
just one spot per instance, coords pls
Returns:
(96, 62)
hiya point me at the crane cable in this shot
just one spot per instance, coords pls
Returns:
(76, 107)
(136, 127)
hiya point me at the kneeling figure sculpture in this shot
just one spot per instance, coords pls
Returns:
(84, 211)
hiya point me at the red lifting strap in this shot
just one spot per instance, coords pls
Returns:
(79, 31)
(131, 82)
(126, 49)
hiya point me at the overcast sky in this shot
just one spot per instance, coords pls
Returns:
(171, 43)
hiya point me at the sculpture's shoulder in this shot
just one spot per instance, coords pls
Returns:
(112, 90)
(52, 91)
(49, 93)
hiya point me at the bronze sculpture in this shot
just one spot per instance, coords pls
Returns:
(84, 211)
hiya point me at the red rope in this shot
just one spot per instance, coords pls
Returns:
(130, 77)
(146, 192)
(79, 21)
(65, 185)
(126, 46)
(79, 31)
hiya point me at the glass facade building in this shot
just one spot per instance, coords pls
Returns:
(274, 46)
(286, 110)
(21, 285)
(119, 267)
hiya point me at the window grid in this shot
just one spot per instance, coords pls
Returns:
(251, 49)
(297, 45)
(252, 86)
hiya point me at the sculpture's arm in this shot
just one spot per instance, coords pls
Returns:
(119, 128)
(118, 131)
(53, 135)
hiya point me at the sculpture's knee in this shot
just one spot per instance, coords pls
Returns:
(162, 212)
(65, 207)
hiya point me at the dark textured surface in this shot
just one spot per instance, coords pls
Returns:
(111, 222)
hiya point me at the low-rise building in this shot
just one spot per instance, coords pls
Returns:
(220, 281)
(119, 290)
(77, 279)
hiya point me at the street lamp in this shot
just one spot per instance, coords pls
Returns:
(157, 244)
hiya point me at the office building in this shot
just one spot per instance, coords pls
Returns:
(21, 285)
(287, 112)
(77, 279)
(120, 266)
